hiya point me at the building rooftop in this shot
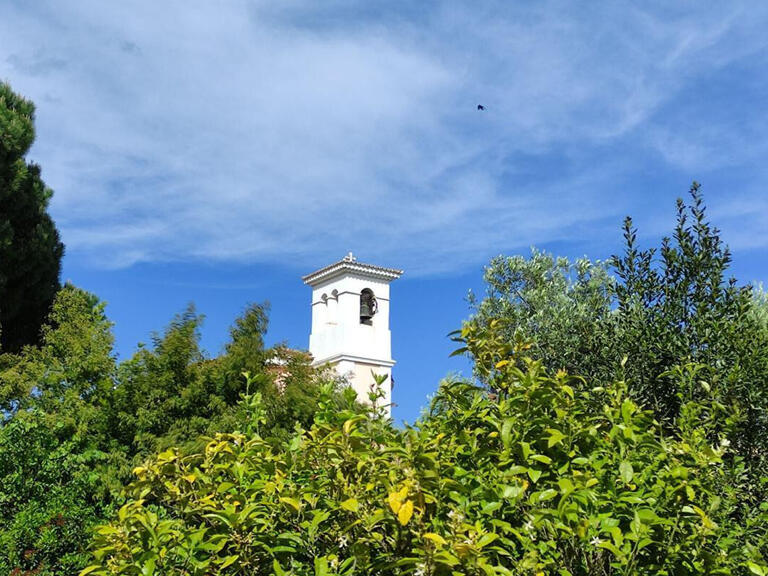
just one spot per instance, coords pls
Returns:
(350, 264)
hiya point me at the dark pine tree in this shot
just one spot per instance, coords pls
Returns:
(30, 249)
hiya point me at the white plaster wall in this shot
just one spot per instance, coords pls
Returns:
(336, 326)
(339, 337)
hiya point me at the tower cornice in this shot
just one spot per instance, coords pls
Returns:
(350, 264)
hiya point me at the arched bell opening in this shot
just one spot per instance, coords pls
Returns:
(368, 306)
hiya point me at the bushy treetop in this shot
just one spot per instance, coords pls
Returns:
(644, 314)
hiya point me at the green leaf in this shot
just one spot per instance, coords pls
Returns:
(318, 517)
(278, 570)
(512, 492)
(321, 566)
(610, 546)
(547, 495)
(506, 432)
(534, 474)
(542, 458)
(526, 449)
(352, 505)
(148, 569)
(486, 539)
(627, 409)
(229, 560)
(555, 437)
(491, 507)
(626, 471)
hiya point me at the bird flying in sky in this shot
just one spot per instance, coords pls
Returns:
(480, 107)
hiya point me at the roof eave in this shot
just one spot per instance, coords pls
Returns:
(359, 267)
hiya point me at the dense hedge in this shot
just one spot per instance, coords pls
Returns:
(74, 422)
(540, 475)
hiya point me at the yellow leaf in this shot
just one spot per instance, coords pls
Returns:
(190, 478)
(292, 502)
(462, 548)
(352, 505)
(394, 502)
(436, 539)
(405, 512)
(167, 456)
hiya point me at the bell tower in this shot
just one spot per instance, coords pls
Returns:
(350, 322)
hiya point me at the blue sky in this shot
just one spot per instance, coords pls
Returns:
(216, 151)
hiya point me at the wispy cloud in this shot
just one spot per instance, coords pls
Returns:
(258, 132)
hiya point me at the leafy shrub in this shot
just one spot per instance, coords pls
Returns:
(52, 495)
(539, 476)
(656, 309)
(73, 422)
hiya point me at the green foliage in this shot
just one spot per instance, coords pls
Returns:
(563, 309)
(51, 495)
(54, 478)
(653, 463)
(542, 476)
(172, 395)
(245, 350)
(73, 365)
(292, 392)
(760, 307)
(676, 306)
(663, 309)
(74, 423)
(30, 250)
(165, 394)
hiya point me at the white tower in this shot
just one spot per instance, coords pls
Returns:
(350, 322)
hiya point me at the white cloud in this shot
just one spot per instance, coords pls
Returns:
(241, 131)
